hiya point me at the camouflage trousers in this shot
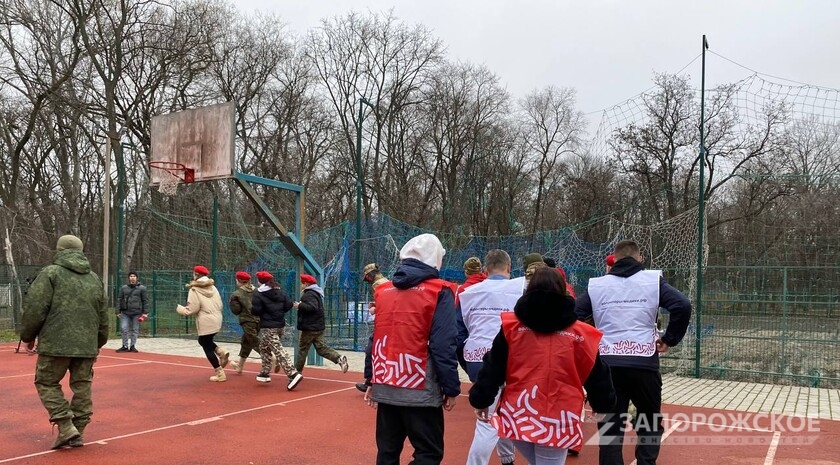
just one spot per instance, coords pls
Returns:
(250, 339)
(307, 339)
(270, 344)
(49, 371)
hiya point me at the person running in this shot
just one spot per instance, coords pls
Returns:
(624, 305)
(481, 307)
(240, 305)
(270, 303)
(415, 370)
(312, 323)
(539, 409)
(374, 277)
(205, 303)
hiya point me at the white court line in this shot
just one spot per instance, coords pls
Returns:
(771, 452)
(665, 435)
(136, 361)
(204, 366)
(197, 421)
(96, 367)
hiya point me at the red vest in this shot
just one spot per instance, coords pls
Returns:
(545, 376)
(401, 335)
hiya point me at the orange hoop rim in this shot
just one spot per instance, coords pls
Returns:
(182, 172)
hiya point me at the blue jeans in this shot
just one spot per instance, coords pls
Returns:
(129, 328)
(536, 454)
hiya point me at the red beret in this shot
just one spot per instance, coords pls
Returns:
(307, 279)
(264, 276)
(200, 269)
(243, 276)
(610, 259)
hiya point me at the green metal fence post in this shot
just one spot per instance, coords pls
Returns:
(357, 312)
(783, 336)
(215, 243)
(701, 210)
(154, 303)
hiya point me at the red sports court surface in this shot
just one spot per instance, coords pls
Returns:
(161, 409)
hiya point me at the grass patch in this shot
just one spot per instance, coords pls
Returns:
(7, 335)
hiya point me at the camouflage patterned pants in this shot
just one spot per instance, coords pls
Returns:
(270, 344)
(49, 372)
(250, 340)
(307, 339)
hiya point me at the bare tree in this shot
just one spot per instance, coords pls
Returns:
(465, 109)
(379, 58)
(662, 153)
(552, 130)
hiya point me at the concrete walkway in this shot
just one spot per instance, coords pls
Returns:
(724, 395)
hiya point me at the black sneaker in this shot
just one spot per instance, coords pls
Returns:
(133, 349)
(294, 381)
(122, 349)
(264, 377)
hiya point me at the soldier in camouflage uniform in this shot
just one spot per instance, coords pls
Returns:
(240, 305)
(374, 277)
(65, 309)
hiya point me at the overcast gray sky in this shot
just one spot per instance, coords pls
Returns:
(608, 50)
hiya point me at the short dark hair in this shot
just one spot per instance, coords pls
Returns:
(547, 279)
(626, 248)
(496, 259)
(132, 273)
(550, 262)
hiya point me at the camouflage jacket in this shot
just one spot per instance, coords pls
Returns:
(65, 308)
(240, 304)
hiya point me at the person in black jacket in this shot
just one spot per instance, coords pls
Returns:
(624, 305)
(270, 303)
(134, 308)
(311, 323)
(543, 326)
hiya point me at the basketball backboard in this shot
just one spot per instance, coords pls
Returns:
(200, 138)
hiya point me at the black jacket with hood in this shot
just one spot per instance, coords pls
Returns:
(311, 309)
(270, 303)
(543, 312)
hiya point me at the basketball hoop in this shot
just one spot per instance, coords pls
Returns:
(174, 174)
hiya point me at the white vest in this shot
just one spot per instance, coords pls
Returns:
(482, 305)
(625, 309)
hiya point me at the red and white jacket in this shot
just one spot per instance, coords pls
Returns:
(542, 398)
(400, 339)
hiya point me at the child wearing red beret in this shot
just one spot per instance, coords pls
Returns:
(205, 303)
(240, 305)
(311, 323)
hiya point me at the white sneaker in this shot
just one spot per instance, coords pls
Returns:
(342, 362)
(264, 377)
(296, 379)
